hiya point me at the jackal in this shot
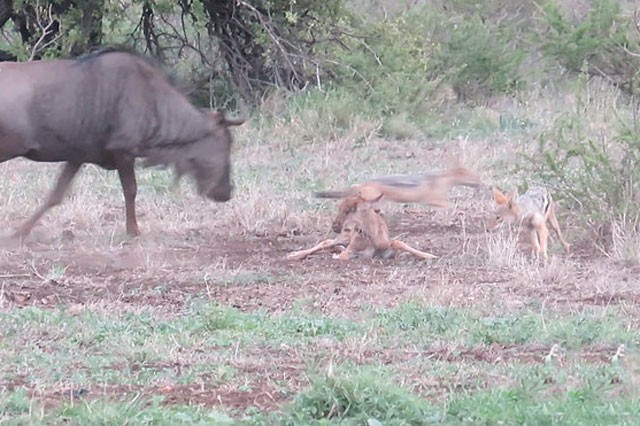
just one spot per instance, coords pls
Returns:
(531, 210)
(364, 233)
(429, 188)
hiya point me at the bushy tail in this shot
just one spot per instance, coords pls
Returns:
(333, 194)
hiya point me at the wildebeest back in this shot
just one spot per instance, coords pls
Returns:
(85, 110)
(108, 108)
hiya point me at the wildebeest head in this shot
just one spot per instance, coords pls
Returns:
(209, 160)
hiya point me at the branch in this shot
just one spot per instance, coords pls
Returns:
(6, 9)
(46, 31)
(272, 35)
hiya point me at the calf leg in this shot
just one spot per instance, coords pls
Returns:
(399, 245)
(130, 188)
(55, 198)
(301, 254)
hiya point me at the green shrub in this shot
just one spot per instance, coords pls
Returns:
(360, 397)
(602, 41)
(597, 175)
(478, 58)
(401, 67)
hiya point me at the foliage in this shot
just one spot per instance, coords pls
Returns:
(602, 40)
(598, 176)
(360, 397)
(479, 58)
(255, 45)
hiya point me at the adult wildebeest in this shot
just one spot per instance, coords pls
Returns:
(107, 108)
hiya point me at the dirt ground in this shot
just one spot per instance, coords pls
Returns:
(252, 273)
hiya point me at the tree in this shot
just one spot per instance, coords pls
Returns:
(252, 45)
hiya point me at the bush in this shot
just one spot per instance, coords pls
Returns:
(402, 66)
(598, 174)
(479, 59)
(601, 41)
(362, 397)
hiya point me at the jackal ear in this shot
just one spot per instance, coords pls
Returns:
(499, 196)
(511, 198)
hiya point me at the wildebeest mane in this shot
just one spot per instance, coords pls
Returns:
(154, 62)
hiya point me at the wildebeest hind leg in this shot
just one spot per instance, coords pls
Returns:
(55, 198)
(129, 188)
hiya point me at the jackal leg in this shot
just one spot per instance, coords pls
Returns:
(535, 242)
(539, 236)
(55, 198)
(301, 254)
(399, 245)
(555, 226)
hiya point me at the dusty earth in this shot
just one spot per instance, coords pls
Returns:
(59, 267)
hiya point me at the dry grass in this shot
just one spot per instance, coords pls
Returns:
(289, 318)
(626, 241)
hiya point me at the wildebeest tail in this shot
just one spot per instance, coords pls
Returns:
(333, 194)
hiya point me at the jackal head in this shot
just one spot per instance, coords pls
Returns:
(465, 177)
(506, 208)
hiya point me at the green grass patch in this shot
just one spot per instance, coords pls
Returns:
(517, 407)
(46, 349)
(352, 395)
(426, 325)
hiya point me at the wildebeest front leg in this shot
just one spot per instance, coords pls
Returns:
(55, 198)
(130, 188)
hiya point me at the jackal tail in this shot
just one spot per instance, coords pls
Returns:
(335, 194)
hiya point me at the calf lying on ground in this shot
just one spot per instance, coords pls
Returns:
(364, 233)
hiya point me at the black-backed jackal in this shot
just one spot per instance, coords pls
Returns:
(428, 188)
(531, 210)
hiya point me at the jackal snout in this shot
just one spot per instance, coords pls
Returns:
(506, 209)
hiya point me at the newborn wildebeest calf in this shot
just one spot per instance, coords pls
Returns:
(107, 108)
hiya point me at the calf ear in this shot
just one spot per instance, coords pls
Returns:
(499, 196)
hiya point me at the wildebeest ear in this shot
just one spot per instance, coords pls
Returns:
(216, 117)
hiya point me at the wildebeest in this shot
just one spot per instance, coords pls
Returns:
(108, 108)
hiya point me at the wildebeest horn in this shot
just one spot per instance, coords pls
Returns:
(241, 119)
(221, 118)
(235, 121)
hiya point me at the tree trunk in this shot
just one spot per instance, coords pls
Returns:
(90, 26)
(6, 9)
